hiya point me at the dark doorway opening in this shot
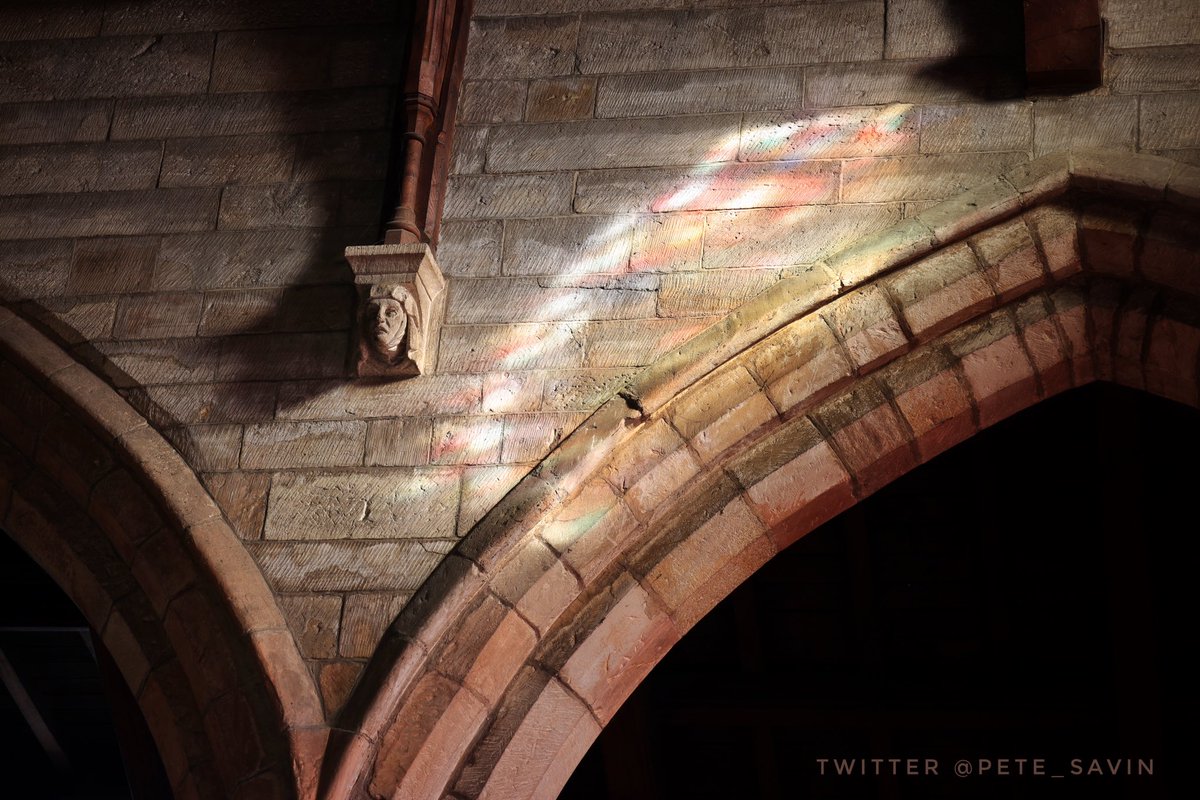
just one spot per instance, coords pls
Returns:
(69, 728)
(1027, 595)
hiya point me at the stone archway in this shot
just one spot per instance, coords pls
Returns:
(502, 670)
(113, 514)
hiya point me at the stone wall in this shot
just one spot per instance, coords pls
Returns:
(179, 180)
(177, 183)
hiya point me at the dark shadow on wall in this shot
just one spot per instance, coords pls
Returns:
(989, 57)
(293, 130)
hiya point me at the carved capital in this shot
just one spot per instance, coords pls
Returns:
(401, 301)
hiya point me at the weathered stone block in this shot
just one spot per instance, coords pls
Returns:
(1152, 23)
(106, 66)
(1170, 121)
(290, 445)
(638, 342)
(466, 440)
(281, 205)
(507, 196)
(1084, 122)
(470, 248)
(530, 47)
(530, 300)
(574, 245)
(702, 92)
(399, 442)
(491, 101)
(226, 115)
(314, 620)
(976, 127)
(1154, 69)
(708, 293)
(932, 177)
(528, 438)
(55, 122)
(51, 169)
(157, 316)
(1011, 259)
(560, 99)
(741, 37)
(705, 188)
(347, 566)
(364, 620)
(226, 160)
(108, 213)
(605, 143)
(381, 503)
(782, 237)
(834, 133)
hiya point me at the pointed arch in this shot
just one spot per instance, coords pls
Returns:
(501, 671)
(113, 514)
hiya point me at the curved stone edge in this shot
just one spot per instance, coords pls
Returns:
(167, 478)
(460, 579)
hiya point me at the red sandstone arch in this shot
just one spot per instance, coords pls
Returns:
(502, 670)
(116, 517)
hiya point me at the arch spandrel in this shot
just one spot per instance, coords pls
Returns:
(799, 404)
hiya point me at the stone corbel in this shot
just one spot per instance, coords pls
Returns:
(401, 302)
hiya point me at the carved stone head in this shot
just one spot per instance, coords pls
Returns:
(386, 320)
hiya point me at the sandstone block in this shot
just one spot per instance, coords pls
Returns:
(561, 99)
(106, 66)
(381, 503)
(707, 293)
(507, 196)
(314, 620)
(976, 127)
(932, 177)
(491, 101)
(802, 235)
(574, 245)
(638, 342)
(529, 300)
(470, 248)
(347, 566)
(702, 92)
(226, 160)
(1154, 69)
(529, 47)
(399, 442)
(366, 617)
(832, 133)
(466, 440)
(157, 316)
(529, 437)
(605, 143)
(1170, 121)
(704, 188)
(741, 37)
(231, 114)
(126, 213)
(53, 122)
(51, 169)
(1084, 122)
(290, 445)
